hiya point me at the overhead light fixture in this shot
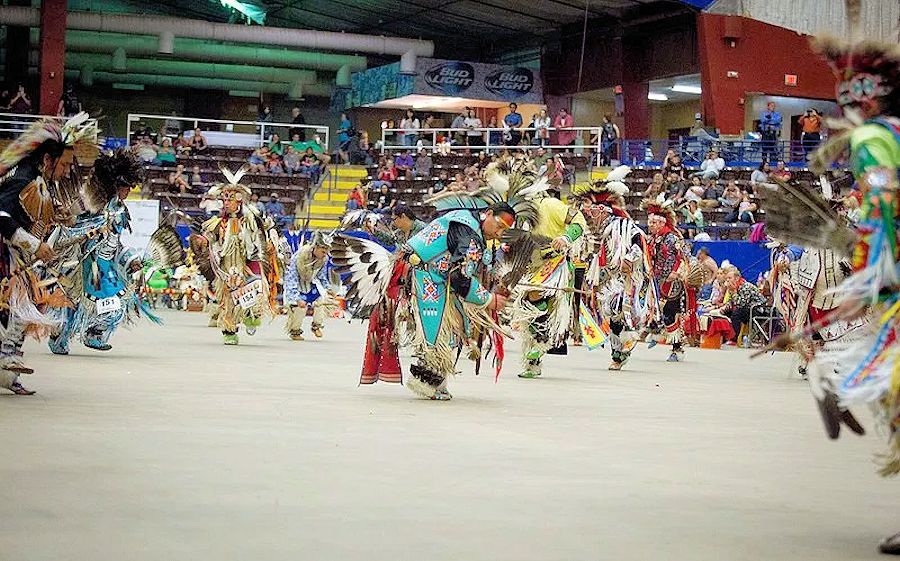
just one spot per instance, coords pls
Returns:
(249, 11)
(680, 88)
(652, 96)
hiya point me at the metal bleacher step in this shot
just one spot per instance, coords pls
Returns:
(326, 210)
(323, 196)
(324, 223)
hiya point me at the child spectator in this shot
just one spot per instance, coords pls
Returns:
(291, 160)
(440, 184)
(423, 164)
(309, 166)
(356, 199)
(182, 145)
(197, 179)
(746, 210)
(258, 160)
(178, 181)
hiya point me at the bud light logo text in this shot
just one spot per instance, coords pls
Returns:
(451, 77)
(510, 83)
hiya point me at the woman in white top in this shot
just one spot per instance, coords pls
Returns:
(410, 126)
(542, 125)
(472, 122)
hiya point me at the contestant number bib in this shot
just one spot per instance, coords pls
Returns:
(111, 304)
(248, 295)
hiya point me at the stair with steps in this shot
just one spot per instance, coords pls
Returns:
(328, 204)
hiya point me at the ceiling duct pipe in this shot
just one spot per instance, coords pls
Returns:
(193, 82)
(408, 63)
(118, 59)
(342, 80)
(197, 69)
(197, 29)
(166, 43)
(194, 49)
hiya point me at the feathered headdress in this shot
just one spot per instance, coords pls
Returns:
(320, 240)
(661, 207)
(78, 133)
(868, 71)
(517, 186)
(231, 188)
(113, 170)
(608, 192)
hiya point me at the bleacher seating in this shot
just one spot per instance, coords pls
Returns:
(292, 190)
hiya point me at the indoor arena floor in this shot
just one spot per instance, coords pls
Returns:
(174, 447)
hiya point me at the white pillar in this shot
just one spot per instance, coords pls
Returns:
(408, 62)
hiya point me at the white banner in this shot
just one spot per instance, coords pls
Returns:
(144, 221)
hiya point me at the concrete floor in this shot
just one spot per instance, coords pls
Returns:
(174, 447)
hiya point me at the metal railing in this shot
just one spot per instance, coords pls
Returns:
(489, 139)
(223, 132)
(13, 124)
(692, 149)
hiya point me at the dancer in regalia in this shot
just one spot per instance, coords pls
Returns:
(237, 250)
(309, 282)
(619, 273)
(670, 267)
(39, 187)
(435, 291)
(547, 293)
(862, 369)
(103, 295)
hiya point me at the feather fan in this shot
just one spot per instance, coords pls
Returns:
(795, 214)
(367, 266)
(165, 247)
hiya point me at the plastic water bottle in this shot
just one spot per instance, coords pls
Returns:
(745, 342)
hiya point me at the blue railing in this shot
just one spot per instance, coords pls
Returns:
(693, 150)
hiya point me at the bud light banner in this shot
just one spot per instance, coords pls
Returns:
(451, 78)
(473, 80)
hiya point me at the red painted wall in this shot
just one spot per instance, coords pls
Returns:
(762, 55)
(53, 54)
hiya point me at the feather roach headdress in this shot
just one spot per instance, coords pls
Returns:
(78, 134)
(111, 171)
(661, 207)
(609, 192)
(231, 188)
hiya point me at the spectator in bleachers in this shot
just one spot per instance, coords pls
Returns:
(166, 153)
(672, 164)
(356, 199)
(656, 186)
(770, 129)
(440, 184)
(291, 160)
(472, 181)
(609, 135)
(197, 179)
(427, 138)
(458, 183)
(198, 142)
(781, 172)
(276, 147)
(404, 164)
(693, 217)
(711, 167)
(811, 122)
(675, 187)
(69, 106)
(542, 126)
(182, 145)
(495, 137)
(20, 102)
(459, 122)
(711, 193)
(387, 174)
(257, 204)
(541, 157)
(275, 208)
(258, 160)
(760, 176)
(265, 115)
(178, 180)
(297, 119)
(345, 133)
(513, 122)
(383, 199)
(274, 164)
(310, 167)
(410, 126)
(562, 121)
(746, 209)
(730, 200)
(424, 163)
(172, 126)
(694, 191)
(146, 152)
(472, 122)
(210, 205)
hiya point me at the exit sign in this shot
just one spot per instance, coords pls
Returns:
(790, 79)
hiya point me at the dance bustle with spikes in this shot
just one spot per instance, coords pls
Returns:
(797, 215)
(165, 248)
(369, 267)
(200, 249)
(111, 171)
